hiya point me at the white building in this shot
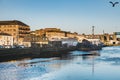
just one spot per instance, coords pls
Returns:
(65, 40)
(94, 41)
(56, 38)
(6, 40)
(35, 41)
(70, 42)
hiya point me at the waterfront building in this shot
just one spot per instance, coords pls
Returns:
(63, 42)
(15, 28)
(43, 31)
(58, 34)
(33, 40)
(52, 29)
(6, 40)
(71, 35)
(95, 41)
(55, 44)
(54, 32)
(39, 32)
(69, 42)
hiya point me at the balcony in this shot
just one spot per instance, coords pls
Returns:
(21, 28)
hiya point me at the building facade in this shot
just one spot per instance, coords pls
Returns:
(35, 41)
(15, 28)
(70, 35)
(6, 40)
(54, 32)
(42, 32)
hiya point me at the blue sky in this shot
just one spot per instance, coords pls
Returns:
(69, 15)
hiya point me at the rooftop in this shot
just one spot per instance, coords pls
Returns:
(12, 22)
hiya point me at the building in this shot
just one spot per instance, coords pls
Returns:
(15, 28)
(54, 32)
(52, 29)
(95, 41)
(43, 31)
(69, 42)
(6, 40)
(51, 34)
(35, 41)
(71, 35)
(39, 32)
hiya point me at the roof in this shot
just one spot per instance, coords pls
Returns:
(12, 22)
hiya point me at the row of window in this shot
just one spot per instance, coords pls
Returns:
(13, 26)
(7, 26)
(8, 30)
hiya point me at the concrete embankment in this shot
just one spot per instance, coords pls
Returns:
(17, 53)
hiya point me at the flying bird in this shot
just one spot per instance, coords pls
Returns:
(113, 4)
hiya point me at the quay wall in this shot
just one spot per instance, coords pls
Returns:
(20, 53)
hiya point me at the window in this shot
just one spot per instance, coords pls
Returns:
(10, 26)
(14, 29)
(14, 34)
(13, 26)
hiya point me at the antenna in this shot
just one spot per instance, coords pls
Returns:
(103, 32)
(93, 30)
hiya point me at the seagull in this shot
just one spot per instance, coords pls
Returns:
(113, 4)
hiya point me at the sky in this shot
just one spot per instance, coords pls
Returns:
(68, 15)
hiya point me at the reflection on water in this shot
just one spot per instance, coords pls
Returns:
(102, 65)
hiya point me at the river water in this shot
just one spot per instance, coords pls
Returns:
(105, 66)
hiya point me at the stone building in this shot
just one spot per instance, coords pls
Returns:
(71, 35)
(59, 34)
(54, 33)
(44, 31)
(15, 28)
(35, 41)
(6, 40)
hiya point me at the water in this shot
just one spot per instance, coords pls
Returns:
(69, 67)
